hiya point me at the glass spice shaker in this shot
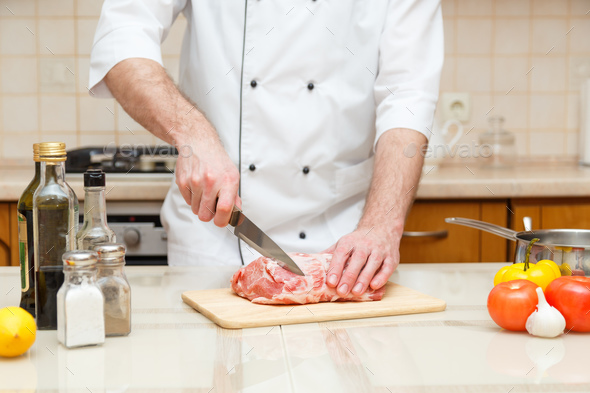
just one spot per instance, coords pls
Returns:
(80, 303)
(115, 288)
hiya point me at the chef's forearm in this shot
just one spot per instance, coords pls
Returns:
(148, 95)
(397, 170)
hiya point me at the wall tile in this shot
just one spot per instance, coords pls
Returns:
(547, 143)
(17, 8)
(474, 7)
(549, 7)
(55, 7)
(512, 7)
(511, 36)
(58, 114)
(514, 109)
(91, 139)
(578, 72)
(86, 30)
(549, 33)
(480, 111)
(89, 7)
(580, 7)
(96, 114)
(547, 111)
(56, 36)
(19, 145)
(57, 74)
(473, 74)
(474, 36)
(449, 32)
(573, 111)
(580, 36)
(18, 75)
(447, 78)
(510, 74)
(549, 74)
(571, 144)
(20, 114)
(173, 42)
(448, 8)
(521, 139)
(83, 69)
(17, 37)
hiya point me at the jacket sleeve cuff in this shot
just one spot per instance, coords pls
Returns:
(415, 112)
(116, 46)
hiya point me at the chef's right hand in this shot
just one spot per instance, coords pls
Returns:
(204, 174)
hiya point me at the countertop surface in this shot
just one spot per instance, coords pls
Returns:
(447, 182)
(174, 349)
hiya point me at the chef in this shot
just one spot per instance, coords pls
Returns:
(309, 115)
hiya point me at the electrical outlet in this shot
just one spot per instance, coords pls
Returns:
(456, 106)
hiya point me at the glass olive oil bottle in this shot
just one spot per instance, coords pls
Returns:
(55, 223)
(25, 239)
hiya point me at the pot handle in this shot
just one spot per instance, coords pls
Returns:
(484, 226)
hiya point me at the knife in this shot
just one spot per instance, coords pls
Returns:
(258, 240)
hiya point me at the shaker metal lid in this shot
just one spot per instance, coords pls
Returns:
(109, 251)
(80, 258)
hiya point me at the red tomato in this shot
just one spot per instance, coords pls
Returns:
(511, 303)
(571, 296)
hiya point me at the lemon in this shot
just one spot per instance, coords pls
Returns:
(17, 331)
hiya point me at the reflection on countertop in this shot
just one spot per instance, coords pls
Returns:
(173, 348)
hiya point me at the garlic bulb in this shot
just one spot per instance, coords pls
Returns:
(546, 320)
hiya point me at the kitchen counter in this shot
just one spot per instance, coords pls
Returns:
(448, 182)
(174, 349)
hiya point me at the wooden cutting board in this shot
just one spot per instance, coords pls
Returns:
(228, 310)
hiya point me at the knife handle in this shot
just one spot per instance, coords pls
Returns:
(235, 214)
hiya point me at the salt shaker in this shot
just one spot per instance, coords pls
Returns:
(115, 288)
(80, 303)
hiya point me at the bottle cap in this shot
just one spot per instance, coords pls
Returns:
(80, 258)
(52, 151)
(110, 252)
(36, 152)
(94, 178)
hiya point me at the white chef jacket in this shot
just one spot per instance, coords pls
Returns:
(299, 92)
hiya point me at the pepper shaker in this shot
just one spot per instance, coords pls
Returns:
(115, 288)
(80, 303)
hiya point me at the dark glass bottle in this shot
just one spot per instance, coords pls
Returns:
(25, 239)
(94, 229)
(55, 222)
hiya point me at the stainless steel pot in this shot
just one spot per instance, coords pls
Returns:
(569, 248)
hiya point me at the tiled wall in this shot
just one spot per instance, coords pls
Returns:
(523, 60)
(518, 58)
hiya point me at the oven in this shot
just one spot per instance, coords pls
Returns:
(136, 223)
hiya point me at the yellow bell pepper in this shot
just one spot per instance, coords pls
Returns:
(541, 273)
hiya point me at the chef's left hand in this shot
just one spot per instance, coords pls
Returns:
(363, 258)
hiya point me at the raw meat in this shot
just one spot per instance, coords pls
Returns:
(264, 281)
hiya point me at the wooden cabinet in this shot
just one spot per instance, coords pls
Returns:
(430, 239)
(554, 213)
(6, 228)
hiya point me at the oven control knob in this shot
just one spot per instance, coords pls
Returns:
(131, 237)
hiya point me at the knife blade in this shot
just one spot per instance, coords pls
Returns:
(260, 241)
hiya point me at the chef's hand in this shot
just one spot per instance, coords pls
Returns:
(363, 258)
(205, 173)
